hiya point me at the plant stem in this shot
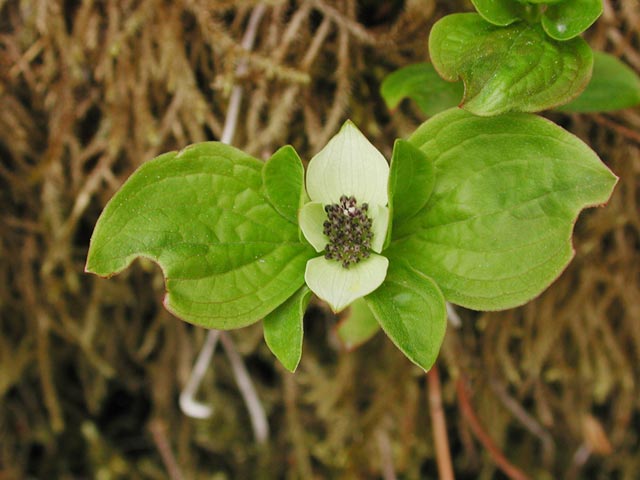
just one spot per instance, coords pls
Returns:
(188, 403)
(438, 421)
(256, 411)
(159, 434)
(231, 121)
(510, 470)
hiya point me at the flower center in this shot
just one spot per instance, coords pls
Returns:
(349, 231)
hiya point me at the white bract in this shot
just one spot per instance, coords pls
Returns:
(347, 218)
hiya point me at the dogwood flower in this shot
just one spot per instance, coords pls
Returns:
(346, 218)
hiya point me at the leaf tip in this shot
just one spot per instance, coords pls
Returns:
(291, 368)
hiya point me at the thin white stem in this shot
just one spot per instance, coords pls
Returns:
(454, 318)
(231, 121)
(249, 394)
(188, 403)
(386, 456)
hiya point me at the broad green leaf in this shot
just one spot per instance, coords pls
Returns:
(283, 329)
(228, 257)
(613, 86)
(283, 177)
(569, 18)
(499, 12)
(358, 325)
(497, 228)
(422, 84)
(411, 180)
(514, 68)
(411, 310)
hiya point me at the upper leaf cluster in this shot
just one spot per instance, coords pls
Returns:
(561, 19)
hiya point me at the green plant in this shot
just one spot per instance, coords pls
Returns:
(511, 56)
(474, 210)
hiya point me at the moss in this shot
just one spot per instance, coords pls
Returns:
(92, 369)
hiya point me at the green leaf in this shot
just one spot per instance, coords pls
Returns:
(283, 329)
(514, 68)
(499, 12)
(358, 325)
(497, 229)
(411, 180)
(613, 86)
(227, 255)
(412, 311)
(568, 19)
(422, 84)
(283, 177)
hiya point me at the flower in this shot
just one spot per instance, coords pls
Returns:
(346, 219)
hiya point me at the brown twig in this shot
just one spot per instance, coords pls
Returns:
(386, 457)
(530, 423)
(300, 451)
(478, 430)
(440, 437)
(159, 433)
(621, 129)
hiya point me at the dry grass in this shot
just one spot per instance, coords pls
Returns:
(90, 369)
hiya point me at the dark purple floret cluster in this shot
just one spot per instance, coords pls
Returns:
(349, 231)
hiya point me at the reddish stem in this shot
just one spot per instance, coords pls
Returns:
(478, 430)
(440, 438)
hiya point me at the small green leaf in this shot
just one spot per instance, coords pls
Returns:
(412, 311)
(411, 180)
(497, 229)
(499, 12)
(228, 257)
(422, 84)
(283, 177)
(613, 86)
(358, 325)
(514, 68)
(569, 18)
(283, 329)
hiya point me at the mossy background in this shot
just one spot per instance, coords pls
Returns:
(91, 369)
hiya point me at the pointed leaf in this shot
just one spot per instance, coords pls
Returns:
(422, 84)
(412, 311)
(228, 257)
(339, 286)
(569, 18)
(283, 177)
(514, 68)
(283, 329)
(497, 229)
(358, 325)
(411, 180)
(499, 12)
(613, 86)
